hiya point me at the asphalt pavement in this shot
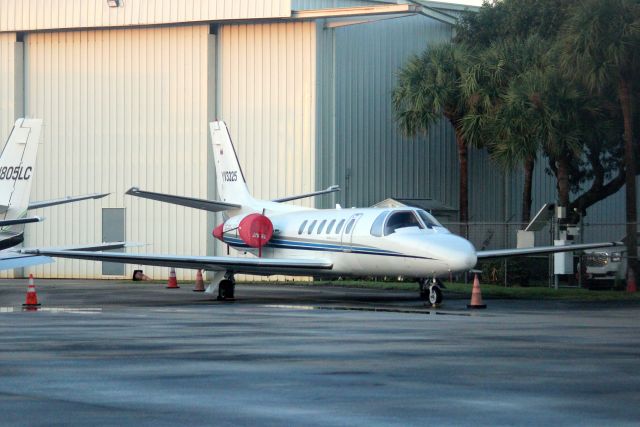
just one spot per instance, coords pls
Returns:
(125, 353)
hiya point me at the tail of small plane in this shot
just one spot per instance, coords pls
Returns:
(232, 186)
(17, 163)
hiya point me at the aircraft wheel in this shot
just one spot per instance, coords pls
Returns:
(226, 290)
(435, 295)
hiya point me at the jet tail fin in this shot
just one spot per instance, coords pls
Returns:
(232, 187)
(17, 162)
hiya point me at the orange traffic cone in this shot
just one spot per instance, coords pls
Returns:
(31, 301)
(173, 282)
(631, 282)
(199, 282)
(476, 295)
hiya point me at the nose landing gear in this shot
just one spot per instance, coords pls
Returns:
(431, 290)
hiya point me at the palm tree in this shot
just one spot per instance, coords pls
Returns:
(428, 88)
(601, 44)
(501, 91)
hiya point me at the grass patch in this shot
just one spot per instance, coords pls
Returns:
(488, 290)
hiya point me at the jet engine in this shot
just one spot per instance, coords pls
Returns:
(254, 229)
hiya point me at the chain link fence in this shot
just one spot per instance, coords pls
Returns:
(537, 270)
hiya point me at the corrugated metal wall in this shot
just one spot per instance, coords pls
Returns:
(325, 4)
(26, 15)
(7, 84)
(267, 90)
(120, 108)
(486, 188)
(359, 145)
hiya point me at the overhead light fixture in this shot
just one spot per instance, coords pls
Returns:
(113, 3)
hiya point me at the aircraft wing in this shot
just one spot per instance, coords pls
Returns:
(503, 253)
(11, 260)
(206, 205)
(27, 220)
(70, 199)
(259, 266)
(16, 259)
(105, 246)
(331, 189)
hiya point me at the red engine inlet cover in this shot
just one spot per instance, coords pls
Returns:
(217, 232)
(255, 230)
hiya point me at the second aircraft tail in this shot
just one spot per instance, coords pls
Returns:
(17, 163)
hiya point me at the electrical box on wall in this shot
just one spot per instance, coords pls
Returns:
(526, 239)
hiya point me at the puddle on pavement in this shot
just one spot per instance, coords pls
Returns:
(373, 309)
(74, 310)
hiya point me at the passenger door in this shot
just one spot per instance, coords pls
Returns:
(347, 232)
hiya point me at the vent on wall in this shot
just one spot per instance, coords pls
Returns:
(114, 3)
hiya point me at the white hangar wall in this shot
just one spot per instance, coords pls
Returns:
(29, 15)
(120, 108)
(10, 82)
(11, 94)
(267, 95)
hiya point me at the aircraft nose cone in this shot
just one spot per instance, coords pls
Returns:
(461, 254)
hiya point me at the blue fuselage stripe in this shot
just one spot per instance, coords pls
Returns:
(323, 247)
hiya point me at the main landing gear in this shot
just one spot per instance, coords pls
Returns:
(431, 290)
(226, 288)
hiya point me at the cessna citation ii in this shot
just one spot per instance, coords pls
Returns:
(17, 163)
(294, 240)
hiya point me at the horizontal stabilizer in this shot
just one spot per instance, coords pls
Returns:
(70, 199)
(205, 205)
(504, 253)
(328, 190)
(259, 266)
(28, 220)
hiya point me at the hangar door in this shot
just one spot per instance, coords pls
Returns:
(121, 108)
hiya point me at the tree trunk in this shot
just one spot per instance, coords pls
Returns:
(464, 183)
(529, 164)
(624, 95)
(562, 175)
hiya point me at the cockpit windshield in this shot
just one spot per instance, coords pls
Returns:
(401, 219)
(428, 219)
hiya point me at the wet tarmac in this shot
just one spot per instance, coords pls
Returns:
(124, 353)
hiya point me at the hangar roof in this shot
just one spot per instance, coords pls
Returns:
(36, 15)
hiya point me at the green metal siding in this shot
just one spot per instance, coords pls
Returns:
(359, 144)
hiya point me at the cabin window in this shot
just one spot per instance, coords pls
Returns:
(401, 219)
(330, 227)
(302, 226)
(312, 226)
(339, 227)
(378, 224)
(322, 224)
(428, 219)
(350, 226)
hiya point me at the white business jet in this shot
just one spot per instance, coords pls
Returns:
(17, 163)
(294, 240)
